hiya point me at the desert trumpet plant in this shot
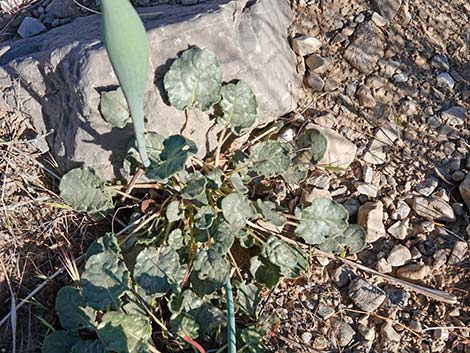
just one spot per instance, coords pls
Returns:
(125, 40)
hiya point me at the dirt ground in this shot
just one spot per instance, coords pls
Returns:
(38, 233)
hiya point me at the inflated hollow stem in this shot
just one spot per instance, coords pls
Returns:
(125, 40)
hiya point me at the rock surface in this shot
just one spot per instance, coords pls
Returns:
(366, 49)
(64, 70)
(370, 216)
(30, 27)
(366, 296)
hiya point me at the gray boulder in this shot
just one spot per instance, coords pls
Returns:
(60, 74)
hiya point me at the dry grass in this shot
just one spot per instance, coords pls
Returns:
(34, 228)
(13, 6)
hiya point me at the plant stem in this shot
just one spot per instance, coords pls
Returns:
(219, 146)
(235, 265)
(231, 328)
(186, 123)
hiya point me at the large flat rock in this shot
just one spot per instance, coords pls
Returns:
(58, 76)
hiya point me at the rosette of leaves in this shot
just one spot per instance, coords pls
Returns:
(85, 191)
(325, 224)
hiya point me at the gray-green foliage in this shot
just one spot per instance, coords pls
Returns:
(270, 158)
(325, 223)
(125, 40)
(206, 222)
(72, 310)
(114, 108)
(312, 145)
(194, 80)
(82, 189)
(239, 106)
(124, 333)
(156, 271)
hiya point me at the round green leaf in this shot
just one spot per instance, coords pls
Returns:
(124, 333)
(104, 280)
(270, 158)
(156, 271)
(264, 271)
(212, 267)
(72, 311)
(59, 342)
(239, 106)
(176, 152)
(312, 145)
(237, 209)
(290, 259)
(324, 219)
(194, 80)
(113, 106)
(82, 189)
(354, 237)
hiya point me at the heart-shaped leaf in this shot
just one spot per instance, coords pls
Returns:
(73, 313)
(270, 158)
(238, 184)
(156, 271)
(82, 189)
(215, 177)
(176, 239)
(223, 235)
(176, 152)
(239, 106)
(124, 333)
(194, 80)
(113, 107)
(324, 219)
(290, 259)
(237, 209)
